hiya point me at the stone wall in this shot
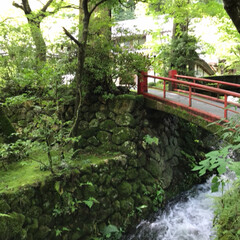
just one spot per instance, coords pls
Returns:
(122, 124)
(127, 188)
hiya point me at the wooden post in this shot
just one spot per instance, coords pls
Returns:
(172, 74)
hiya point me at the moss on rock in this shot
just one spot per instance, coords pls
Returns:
(129, 148)
(122, 105)
(4, 207)
(108, 125)
(11, 226)
(6, 127)
(125, 120)
(103, 137)
(154, 168)
(124, 189)
(122, 134)
(93, 141)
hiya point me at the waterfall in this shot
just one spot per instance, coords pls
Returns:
(188, 217)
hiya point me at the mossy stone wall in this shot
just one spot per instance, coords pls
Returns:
(126, 187)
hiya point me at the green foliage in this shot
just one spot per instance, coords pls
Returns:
(90, 202)
(70, 203)
(124, 12)
(129, 64)
(150, 140)
(61, 230)
(111, 232)
(157, 195)
(51, 134)
(180, 54)
(227, 212)
(223, 158)
(17, 100)
(14, 151)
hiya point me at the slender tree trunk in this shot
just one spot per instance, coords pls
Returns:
(81, 61)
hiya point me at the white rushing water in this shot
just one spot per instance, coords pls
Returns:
(189, 217)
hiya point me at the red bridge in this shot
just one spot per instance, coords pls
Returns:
(192, 98)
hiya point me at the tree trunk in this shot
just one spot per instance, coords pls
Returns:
(81, 61)
(232, 8)
(41, 48)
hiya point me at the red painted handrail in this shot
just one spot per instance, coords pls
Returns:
(193, 85)
(209, 80)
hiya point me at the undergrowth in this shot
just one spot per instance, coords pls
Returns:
(227, 215)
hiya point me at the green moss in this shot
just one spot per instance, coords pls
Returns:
(103, 137)
(11, 226)
(125, 189)
(129, 148)
(127, 205)
(27, 172)
(122, 134)
(6, 127)
(154, 168)
(125, 103)
(4, 207)
(131, 174)
(177, 111)
(131, 96)
(107, 125)
(125, 120)
(21, 174)
(89, 132)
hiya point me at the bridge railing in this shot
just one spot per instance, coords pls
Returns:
(143, 88)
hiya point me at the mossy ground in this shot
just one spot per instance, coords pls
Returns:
(28, 171)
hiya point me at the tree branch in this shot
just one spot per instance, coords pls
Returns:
(85, 7)
(6, 19)
(72, 37)
(122, 4)
(97, 4)
(45, 7)
(45, 14)
(17, 5)
(26, 7)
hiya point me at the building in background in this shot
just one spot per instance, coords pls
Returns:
(140, 31)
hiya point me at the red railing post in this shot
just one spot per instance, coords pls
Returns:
(142, 83)
(164, 89)
(172, 74)
(190, 97)
(225, 106)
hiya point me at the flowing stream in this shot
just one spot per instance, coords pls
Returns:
(188, 217)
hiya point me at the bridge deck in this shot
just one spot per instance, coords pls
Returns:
(206, 106)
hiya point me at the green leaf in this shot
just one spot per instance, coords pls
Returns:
(4, 215)
(58, 232)
(90, 202)
(222, 169)
(196, 168)
(86, 184)
(58, 188)
(108, 230)
(66, 229)
(215, 184)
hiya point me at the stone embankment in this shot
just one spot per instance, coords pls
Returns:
(126, 188)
